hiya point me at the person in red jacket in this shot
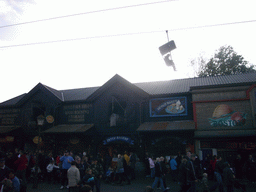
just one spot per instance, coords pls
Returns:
(21, 163)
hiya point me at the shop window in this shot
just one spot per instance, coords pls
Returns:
(117, 112)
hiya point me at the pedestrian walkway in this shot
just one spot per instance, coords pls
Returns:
(137, 185)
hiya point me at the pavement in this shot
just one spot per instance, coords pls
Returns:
(137, 185)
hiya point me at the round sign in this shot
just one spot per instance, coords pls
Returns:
(74, 140)
(37, 139)
(50, 119)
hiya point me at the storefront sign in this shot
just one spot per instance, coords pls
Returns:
(224, 115)
(227, 145)
(77, 113)
(118, 138)
(7, 139)
(173, 106)
(9, 116)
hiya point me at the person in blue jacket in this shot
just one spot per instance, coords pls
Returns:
(66, 160)
(174, 168)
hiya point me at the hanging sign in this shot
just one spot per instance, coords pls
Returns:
(118, 138)
(49, 119)
(37, 139)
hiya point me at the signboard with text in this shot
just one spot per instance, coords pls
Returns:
(9, 116)
(173, 106)
(77, 113)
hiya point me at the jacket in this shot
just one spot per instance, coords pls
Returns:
(21, 163)
(158, 170)
(73, 176)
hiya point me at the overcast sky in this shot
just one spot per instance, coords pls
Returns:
(114, 37)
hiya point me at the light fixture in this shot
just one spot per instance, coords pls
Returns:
(40, 120)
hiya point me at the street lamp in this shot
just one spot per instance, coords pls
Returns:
(38, 140)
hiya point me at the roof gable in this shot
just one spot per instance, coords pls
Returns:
(38, 87)
(12, 101)
(116, 79)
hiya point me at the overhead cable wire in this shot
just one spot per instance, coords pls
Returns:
(85, 13)
(126, 34)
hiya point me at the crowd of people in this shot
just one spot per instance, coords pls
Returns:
(84, 172)
(76, 172)
(193, 174)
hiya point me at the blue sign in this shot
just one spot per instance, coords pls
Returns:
(118, 138)
(173, 106)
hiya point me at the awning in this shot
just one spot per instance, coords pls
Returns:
(167, 126)
(6, 129)
(225, 133)
(69, 128)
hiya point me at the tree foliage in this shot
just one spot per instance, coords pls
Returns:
(225, 62)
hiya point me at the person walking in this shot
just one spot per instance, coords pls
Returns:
(191, 173)
(158, 175)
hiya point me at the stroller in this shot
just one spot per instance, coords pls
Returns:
(110, 176)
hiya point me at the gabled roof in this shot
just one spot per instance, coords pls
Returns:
(177, 86)
(12, 101)
(38, 87)
(78, 94)
(111, 82)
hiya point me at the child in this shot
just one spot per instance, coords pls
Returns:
(50, 171)
(205, 183)
(88, 179)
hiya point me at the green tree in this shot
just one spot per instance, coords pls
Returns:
(225, 62)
